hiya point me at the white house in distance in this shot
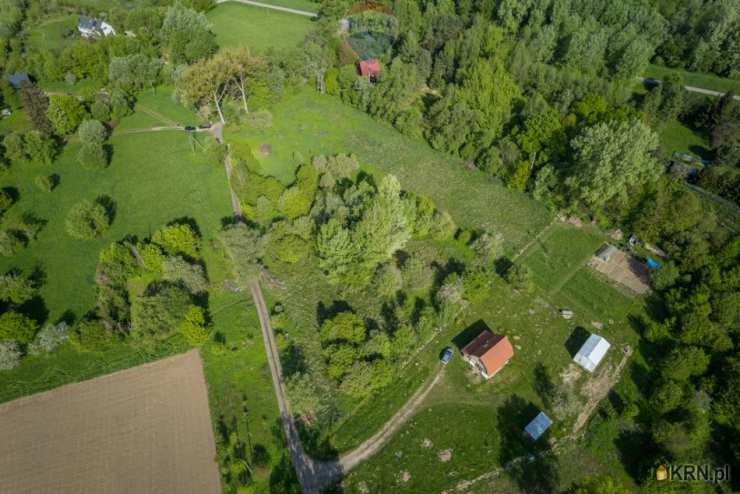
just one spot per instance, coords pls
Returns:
(90, 27)
(592, 352)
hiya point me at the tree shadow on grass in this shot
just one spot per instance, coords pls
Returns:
(576, 340)
(468, 334)
(637, 453)
(528, 463)
(543, 384)
(323, 312)
(283, 479)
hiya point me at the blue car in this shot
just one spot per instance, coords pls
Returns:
(446, 355)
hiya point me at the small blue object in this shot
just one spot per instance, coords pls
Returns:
(538, 426)
(446, 355)
(653, 264)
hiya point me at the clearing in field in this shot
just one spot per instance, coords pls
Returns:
(625, 270)
(143, 430)
(257, 28)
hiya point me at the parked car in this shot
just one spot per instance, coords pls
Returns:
(446, 355)
(190, 128)
(204, 126)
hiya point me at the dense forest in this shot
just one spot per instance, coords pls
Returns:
(540, 95)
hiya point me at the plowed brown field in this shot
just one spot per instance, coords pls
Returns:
(141, 430)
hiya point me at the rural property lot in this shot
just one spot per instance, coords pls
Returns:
(142, 430)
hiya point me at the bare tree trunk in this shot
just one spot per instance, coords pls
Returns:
(242, 89)
(217, 101)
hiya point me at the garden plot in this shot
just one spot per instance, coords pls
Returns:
(625, 270)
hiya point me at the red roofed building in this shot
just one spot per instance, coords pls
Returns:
(369, 68)
(488, 353)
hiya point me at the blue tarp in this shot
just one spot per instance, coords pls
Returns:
(653, 264)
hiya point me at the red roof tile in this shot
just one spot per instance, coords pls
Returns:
(492, 350)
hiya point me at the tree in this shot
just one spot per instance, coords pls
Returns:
(92, 136)
(178, 239)
(36, 104)
(245, 248)
(610, 158)
(87, 220)
(192, 276)
(65, 113)
(134, 72)
(345, 327)
(519, 276)
(49, 338)
(159, 313)
(194, 326)
(187, 35)
(90, 335)
(15, 148)
(10, 355)
(17, 327)
(601, 485)
(40, 148)
(16, 288)
(683, 362)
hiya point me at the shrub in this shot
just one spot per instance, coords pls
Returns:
(6, 201)
(177, 239)
(15, 148)
(519, 277)
(92, 156)
(151, 256)
(11, 242)
(17, 327)
(49, 338)
(90, 335)
(194, 326)
(16, 288)
(39, 148)
(10, 355)
(120, 104)
(92, 133)
(46, 183)
(87, 220)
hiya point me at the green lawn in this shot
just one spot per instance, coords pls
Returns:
(306, 5)
(153, 179)
(257, 28)
(677, 137)
(50, 33)
(696, 79)
(307, 124)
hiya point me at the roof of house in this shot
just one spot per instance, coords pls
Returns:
(492, 350)
(16, 79)
(592, 352)
(89, 23)
(538, 426)
(369, 67)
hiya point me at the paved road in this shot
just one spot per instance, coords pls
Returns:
(273, 7)
(694, 89)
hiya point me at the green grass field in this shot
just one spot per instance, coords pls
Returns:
(306, 5)
(307, 124)
(153, 179)
(677, 137)
(257, 28)
(696, 79)
(50, 33)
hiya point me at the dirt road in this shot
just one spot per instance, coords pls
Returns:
(273, 7)
(314, 476)
(145, 430)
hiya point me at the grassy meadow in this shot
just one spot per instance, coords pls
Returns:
(308, 124)
(257, 28)
(51, 33)
(695, 79)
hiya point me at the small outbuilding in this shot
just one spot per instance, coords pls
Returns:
(370, 68)
(592, 352)
(538, 426)
(90, 27)
(605, 252)
(18, 78)
(488, 353)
